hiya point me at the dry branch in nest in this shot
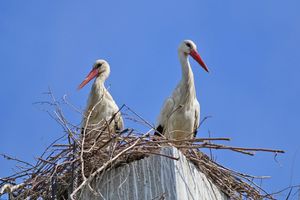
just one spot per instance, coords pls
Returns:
(66, 166)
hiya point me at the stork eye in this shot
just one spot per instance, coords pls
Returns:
(189, 45)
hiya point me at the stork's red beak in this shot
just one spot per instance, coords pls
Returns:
(89, 77)
(197, 57)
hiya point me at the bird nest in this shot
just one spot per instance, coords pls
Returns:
(66, 166)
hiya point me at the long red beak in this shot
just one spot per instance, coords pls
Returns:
(197, 57)
(88, 78)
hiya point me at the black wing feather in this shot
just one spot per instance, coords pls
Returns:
(159, 130)
(195, 132)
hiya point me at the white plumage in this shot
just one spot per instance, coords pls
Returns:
(180, 114)
(101, 110)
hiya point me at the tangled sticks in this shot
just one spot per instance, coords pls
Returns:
(65, 168)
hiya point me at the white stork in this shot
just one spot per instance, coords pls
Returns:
(180, 114)
(101, 109)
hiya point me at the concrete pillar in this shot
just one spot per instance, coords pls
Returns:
(155, 178)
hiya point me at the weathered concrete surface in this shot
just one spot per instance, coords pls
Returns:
(155, 177)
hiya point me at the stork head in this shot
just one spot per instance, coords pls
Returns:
(100, 69)
(188, 47)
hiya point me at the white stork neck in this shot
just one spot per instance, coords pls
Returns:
(99, 82)
(187, 80)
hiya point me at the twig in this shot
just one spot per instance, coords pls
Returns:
(15, 159)
(187, 140)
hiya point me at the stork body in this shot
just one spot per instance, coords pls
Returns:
(180, 115)
(102, 114)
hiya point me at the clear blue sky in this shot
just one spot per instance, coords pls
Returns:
(251, 47)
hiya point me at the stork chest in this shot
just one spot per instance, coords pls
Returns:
(182, 116)
(101, 105)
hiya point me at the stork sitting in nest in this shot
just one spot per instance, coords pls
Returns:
(102, 115)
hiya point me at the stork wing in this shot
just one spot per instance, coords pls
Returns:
(197, 118)
(119, 124)
(118, 120)
(165, 113)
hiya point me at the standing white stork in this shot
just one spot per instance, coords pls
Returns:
(180, 115)
(101, 110)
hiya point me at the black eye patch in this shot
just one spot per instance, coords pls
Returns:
(188, 44)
